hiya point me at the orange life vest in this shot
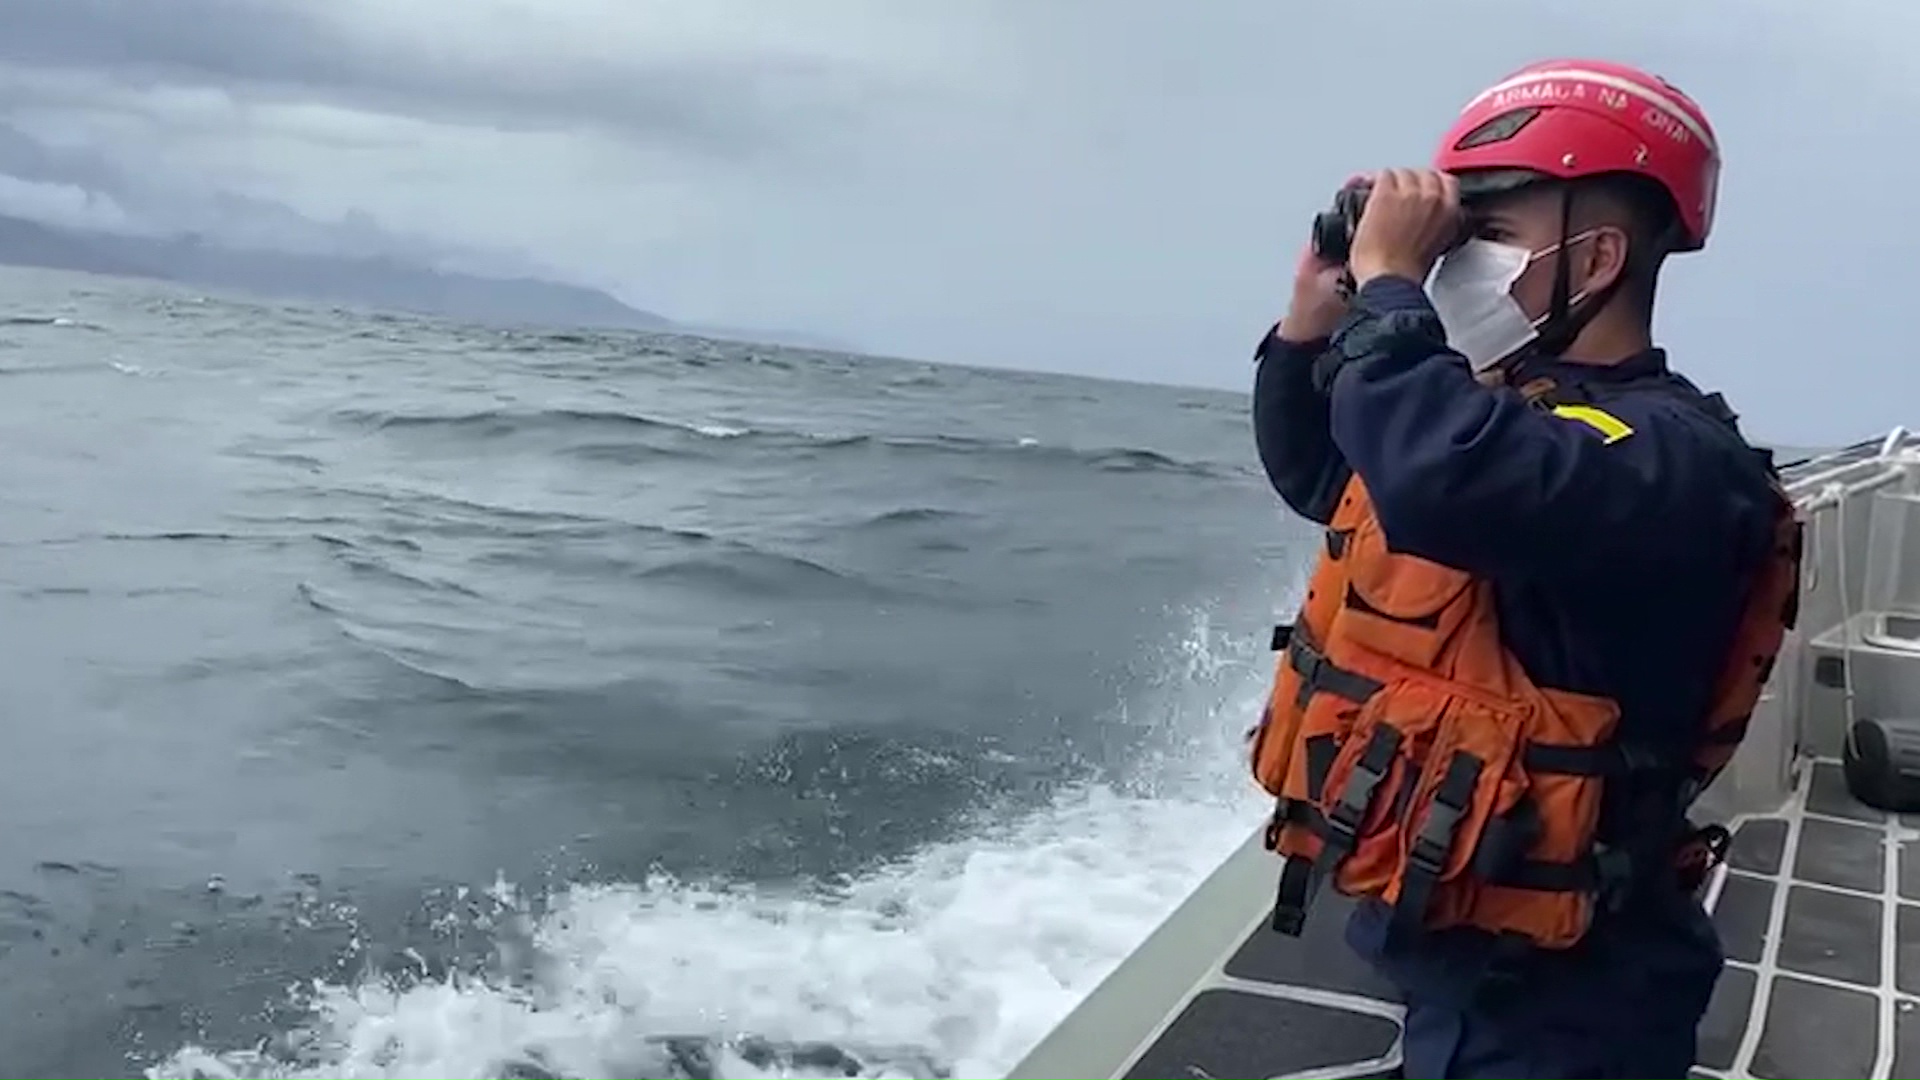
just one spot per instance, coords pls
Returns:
(1416, 763)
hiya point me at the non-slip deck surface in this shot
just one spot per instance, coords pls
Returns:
(1283, 1006)
(1819, 912)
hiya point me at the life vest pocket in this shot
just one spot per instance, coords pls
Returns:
(1277, 736)
(1400, 606)
(1270, 742)
(1522, 859)
(1567, 760)
(1469, 777)
(1307, 717)
(1295, 766)
(1342, 800)
(1369, 784)
(1401, 588)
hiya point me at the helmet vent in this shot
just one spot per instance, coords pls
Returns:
(1499, 129)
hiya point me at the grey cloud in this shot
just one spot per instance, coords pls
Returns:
(62, 204)
(28, 160)
(721, 106)
(81, 188)
(1110, 187)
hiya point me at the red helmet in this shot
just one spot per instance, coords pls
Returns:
(1572, 118)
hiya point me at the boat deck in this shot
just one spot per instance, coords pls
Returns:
(1818, 909)
(1249, 1021)
(1817, 913)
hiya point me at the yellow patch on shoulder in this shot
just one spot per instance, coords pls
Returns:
(1599, 420)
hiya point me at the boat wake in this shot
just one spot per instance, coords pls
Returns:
(950, 962)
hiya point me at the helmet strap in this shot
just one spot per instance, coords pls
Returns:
(1565, 319)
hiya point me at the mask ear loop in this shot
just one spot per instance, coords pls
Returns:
(1558, 329)
(1555, 332)
(1563, 324)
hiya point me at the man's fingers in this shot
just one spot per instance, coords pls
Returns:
(1433, 186)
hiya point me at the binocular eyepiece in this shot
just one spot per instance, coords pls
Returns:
(1333, 227)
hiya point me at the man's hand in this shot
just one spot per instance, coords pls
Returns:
(1317, 304)
(1412, 217)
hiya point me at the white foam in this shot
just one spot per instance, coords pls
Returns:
(963, 954)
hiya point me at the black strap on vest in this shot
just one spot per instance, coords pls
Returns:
(1500, 855)
(1320, 675)
(1433, 843)
(1339, 830)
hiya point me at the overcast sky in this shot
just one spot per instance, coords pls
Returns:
(1112, 187)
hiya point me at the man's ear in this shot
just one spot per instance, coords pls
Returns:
(1605, 261)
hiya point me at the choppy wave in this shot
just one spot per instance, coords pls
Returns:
(589, 429)
(777, 681)
(949, 962)
(62, 322)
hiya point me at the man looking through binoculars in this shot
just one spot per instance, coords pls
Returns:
(1555, 576)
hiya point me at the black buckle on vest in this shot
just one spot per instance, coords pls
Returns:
(1358, 793)
(1339, 829)
(1428, 852)
(1309, 664)
(1318, 674)
(1427, 855)
(1290, 899)
(1282, 634)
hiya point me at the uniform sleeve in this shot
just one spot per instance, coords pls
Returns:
(1292, 430)
(1481, 480)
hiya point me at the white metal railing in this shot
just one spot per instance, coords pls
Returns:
(1834, 492)
(1822, 488)
(1815, 472)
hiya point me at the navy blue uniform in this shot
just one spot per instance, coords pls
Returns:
(1618, 537)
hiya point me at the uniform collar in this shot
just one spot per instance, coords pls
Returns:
(1651, 362)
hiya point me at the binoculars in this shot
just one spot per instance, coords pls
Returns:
(1333, 227)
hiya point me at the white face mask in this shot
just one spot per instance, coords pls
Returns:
(1472, 292)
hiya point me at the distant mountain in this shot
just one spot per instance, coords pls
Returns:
(376, 282)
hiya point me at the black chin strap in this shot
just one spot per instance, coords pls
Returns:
(1564, 323)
